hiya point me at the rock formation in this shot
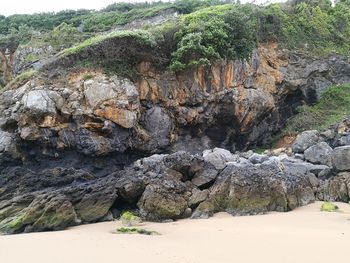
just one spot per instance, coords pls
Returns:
(71, 143)
(177, 185)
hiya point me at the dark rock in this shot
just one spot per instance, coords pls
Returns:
(344, 140)
(197, 197)
(304, 140)
(158, 204)
(320, 153)
(341, 158)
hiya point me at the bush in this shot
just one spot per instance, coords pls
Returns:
(219, 32)
(63, 36)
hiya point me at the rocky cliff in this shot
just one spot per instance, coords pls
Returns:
(179, 185)
(231, 104)
(69, 138)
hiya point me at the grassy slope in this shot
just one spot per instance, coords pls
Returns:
(333, 106)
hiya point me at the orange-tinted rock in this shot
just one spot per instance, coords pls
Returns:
(122, 117)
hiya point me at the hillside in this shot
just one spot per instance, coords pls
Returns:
(186, 33)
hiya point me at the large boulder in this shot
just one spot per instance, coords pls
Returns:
(46, 212)
(304, 140)
(341, 158)
(256, 189)
(320, 153)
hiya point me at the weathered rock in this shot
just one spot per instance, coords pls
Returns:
(258, 158)
(39, 102)
(304, 140)
(7, 145)
(320, 153)
(255, 190)
(205, 176)
(335, 188)
(158, 126)
(341, 158)
(101, 125)
(96, 203)
(159, 204)
(344, 140)
(219, 157)
(197, 197)
(45, 212)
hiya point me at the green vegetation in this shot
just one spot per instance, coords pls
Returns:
(334, 105)
(130, 219)
(98, 21)
(260, 150)
(21, 79)
(233, 30)
(127, 230)
(87, 76)
(329, 207)
(219, 32)
(63, 36)
(205, 30)
(143, 37)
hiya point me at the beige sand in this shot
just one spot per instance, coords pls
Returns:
(303, 235)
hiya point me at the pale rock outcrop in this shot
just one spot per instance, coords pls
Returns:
(304, 140)
(320, 153)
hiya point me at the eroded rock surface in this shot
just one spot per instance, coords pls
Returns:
(71, 143)
(231, 104)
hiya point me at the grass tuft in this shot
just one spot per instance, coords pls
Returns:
(143, 37)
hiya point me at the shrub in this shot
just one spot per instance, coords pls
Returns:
(213, 33)
(63, 36)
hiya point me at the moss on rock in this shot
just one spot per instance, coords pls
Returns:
(329, 207)
(130, 219)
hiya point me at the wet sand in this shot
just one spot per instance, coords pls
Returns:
(303, 235)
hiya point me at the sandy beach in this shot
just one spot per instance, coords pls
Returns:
(303, 235)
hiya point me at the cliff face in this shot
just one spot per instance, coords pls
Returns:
(231, 104)
(67, 141)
